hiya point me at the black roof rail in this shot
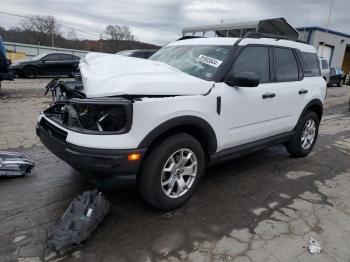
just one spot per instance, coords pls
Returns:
(272, 36)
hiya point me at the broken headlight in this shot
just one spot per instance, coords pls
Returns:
(96, 116)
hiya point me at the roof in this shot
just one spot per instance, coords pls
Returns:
(322, 29)
(206, 41)
(275, 26)
(230, 41)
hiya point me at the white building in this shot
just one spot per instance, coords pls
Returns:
(332, 45)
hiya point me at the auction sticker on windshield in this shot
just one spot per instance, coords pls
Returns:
(209, 61)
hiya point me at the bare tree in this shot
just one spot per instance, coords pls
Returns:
(42, 28)
(117, 32)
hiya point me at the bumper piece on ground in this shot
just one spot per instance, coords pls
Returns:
(14, 164)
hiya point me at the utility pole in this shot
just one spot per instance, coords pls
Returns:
(101, 42)
(327, 26)
(306, 20)
(52, 39)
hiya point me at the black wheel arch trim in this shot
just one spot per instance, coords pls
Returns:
(177, 122)
(314, 102)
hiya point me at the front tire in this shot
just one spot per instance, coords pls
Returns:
(305, 135)
(30, 72)
(171, 172)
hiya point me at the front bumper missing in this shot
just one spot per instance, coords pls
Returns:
(109, 167)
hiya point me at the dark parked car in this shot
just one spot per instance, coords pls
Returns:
(54, 64)
(335, 76)
(4, 64)
(140, 53)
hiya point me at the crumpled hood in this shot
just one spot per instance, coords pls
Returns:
(112, 75)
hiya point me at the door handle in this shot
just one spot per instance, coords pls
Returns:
(303, 91)
(268, 95)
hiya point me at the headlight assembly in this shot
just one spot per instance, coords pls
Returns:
(94, 116)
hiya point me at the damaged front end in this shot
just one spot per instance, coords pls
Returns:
(73, 111)
(74, 121)
(93, 116)
(62, 91)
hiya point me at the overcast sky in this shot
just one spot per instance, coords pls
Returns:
(161, 21)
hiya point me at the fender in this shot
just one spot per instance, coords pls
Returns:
(183, 121)
(314, 102)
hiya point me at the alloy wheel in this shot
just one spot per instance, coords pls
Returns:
(179, 173)
(308, 134)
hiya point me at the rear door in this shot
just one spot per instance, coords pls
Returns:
(69, 63)
(248, 113)
(292, 88)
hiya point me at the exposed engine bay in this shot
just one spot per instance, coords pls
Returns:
(87, 115)
(62, 91)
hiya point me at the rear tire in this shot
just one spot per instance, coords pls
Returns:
(171, 172)
(30, 72)
(304, 139)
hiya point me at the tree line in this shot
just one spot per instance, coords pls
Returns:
(46, 31)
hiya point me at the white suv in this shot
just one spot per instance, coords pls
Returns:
(196, 102)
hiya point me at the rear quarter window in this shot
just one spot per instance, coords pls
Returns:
(309, 63)
(69, 57)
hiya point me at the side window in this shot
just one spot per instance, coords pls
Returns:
(145, 55)
(148, 54)
(332, 71)
(138, 55)
(324, 64)
(286, 65)
(312, 62)
(254, 59)
(68, 57)
(52, 57)
(306, 67)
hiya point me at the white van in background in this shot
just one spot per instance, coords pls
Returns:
(325, 71)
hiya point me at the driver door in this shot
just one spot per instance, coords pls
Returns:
(51, 64)
(248, 113)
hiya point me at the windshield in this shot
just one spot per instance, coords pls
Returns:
(199, 61)
(38, 57)
(125, 52)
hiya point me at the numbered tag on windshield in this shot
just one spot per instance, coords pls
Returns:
(209, 61)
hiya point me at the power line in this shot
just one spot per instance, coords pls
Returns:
(62, 25)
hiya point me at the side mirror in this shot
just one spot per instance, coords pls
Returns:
(43, 61)
(243, 79)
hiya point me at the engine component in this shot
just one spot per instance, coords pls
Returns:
(80, 219)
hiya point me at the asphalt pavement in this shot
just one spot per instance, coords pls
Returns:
(261, 207)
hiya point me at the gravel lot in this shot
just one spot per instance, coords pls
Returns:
(261, 207)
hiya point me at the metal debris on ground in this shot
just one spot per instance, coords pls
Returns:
(14, 164)
(314, 246)
(80, 219)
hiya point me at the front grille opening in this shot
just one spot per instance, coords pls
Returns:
(53, 130)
